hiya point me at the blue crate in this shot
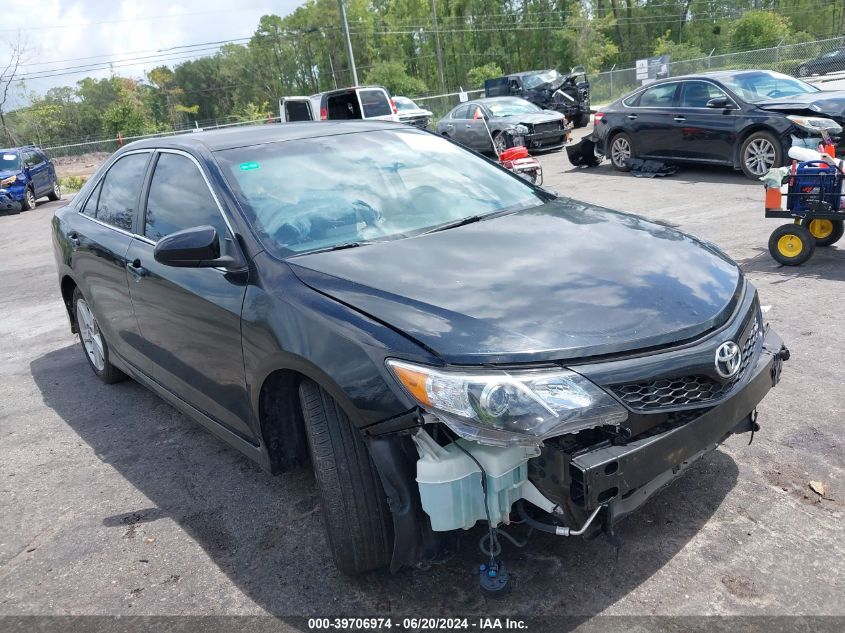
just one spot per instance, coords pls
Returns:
(812, 183)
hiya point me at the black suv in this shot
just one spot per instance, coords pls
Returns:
(399, 312)
(568, 94)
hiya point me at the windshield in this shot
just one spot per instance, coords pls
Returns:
(403, 103)
(511, 107)
(9, 161)
(536, 79)
(761, 86)
(367, 186)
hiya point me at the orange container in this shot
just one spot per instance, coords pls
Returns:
(773, 198)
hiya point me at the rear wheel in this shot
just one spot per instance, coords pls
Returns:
(583, 120)
(358, 522)
(28, 203)
(93, 342)
(759, 153)
(620, 151)
(791, 244)
(825, 232)
(803, 71)
(56, 193)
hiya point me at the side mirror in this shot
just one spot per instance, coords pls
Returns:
(197, 247)
(719, 103)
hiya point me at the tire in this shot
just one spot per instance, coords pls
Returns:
(56, 193)
(583, 120)
(618, 153)
(93, 343)
(499, 143)
(791, 244)
(760, 152)
(825, 232)
(28, 202)
(803, 71)
(358, 522)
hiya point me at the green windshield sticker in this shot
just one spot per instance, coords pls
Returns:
(249, 166)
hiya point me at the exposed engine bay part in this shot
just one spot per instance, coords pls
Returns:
(568, 94)
(450, 485)
(557, 530)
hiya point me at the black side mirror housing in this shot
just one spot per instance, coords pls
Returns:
(196, 247)
(719, 103)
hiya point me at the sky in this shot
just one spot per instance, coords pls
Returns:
(60, 34)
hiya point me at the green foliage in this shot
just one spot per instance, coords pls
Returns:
(479, 74)
(759, 29)
(127, 115)
(72, 183)
(253, 112)
(394, 76)
(676, 51)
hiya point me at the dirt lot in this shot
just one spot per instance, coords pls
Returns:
(113, 503)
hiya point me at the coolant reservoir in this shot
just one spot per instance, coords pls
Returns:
(450, 482)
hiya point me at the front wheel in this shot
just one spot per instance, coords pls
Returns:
(791, 244)
(354, 504)
(93, 342)
(620, 151)
(803, 71)
(825, 232)
(28, 203)
(759, 153)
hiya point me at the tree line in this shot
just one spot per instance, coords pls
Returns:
(412, 47)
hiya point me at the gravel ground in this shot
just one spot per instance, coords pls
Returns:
(114, 503)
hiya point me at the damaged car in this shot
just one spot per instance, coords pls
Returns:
(567, 94)
(746, 119)
(495, 124)
(397, 311)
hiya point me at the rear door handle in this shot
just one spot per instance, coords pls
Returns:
(136, 269)
(73, 238)
(632, 116)
(469, 126)
(680, 119)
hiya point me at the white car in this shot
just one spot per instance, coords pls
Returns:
(411, 113)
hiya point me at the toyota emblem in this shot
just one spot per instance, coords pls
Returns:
(728, 359)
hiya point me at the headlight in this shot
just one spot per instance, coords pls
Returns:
(8, 181)
(509, 407)
(520, 129)
(815, 124)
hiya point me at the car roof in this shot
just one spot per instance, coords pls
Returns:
(216, 140)
(487, 100)
(714, 74)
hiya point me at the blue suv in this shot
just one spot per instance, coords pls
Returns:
(26, 174)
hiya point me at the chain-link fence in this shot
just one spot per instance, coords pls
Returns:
(791, 59)
(441, 104)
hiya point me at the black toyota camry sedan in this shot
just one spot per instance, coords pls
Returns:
(404, 315)
(746, 119)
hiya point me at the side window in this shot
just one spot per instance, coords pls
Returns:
(120, 191)
(179, 199)
(461, 112)
(374, 103)
(90, 208)
(696, 94)
(29, 159)
(475, 112)
(659, 96)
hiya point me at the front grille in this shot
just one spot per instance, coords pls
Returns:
(540, 128)
(664, 393)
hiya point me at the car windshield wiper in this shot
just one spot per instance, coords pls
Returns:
(337, 247)
(456, 223)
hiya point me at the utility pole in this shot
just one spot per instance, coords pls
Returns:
(348, 43)
(437, 45)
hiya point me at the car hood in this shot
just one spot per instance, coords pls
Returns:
(7, 173)
(532, 118)
(564, 280)
(828, 102)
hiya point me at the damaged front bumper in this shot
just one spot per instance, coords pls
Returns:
(8, 203)
(624, 477)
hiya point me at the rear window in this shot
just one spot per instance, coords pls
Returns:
(374, 103)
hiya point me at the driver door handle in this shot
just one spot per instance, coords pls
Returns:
(632, 117)
(136, 269)
(680, 119)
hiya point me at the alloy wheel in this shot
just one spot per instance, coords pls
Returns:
(57, 190)
(30, 199)
(759, 156)
(89, 334)
(620, 151)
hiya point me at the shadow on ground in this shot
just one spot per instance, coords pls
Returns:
(685, 174)
(266, 532)
(826, 263)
